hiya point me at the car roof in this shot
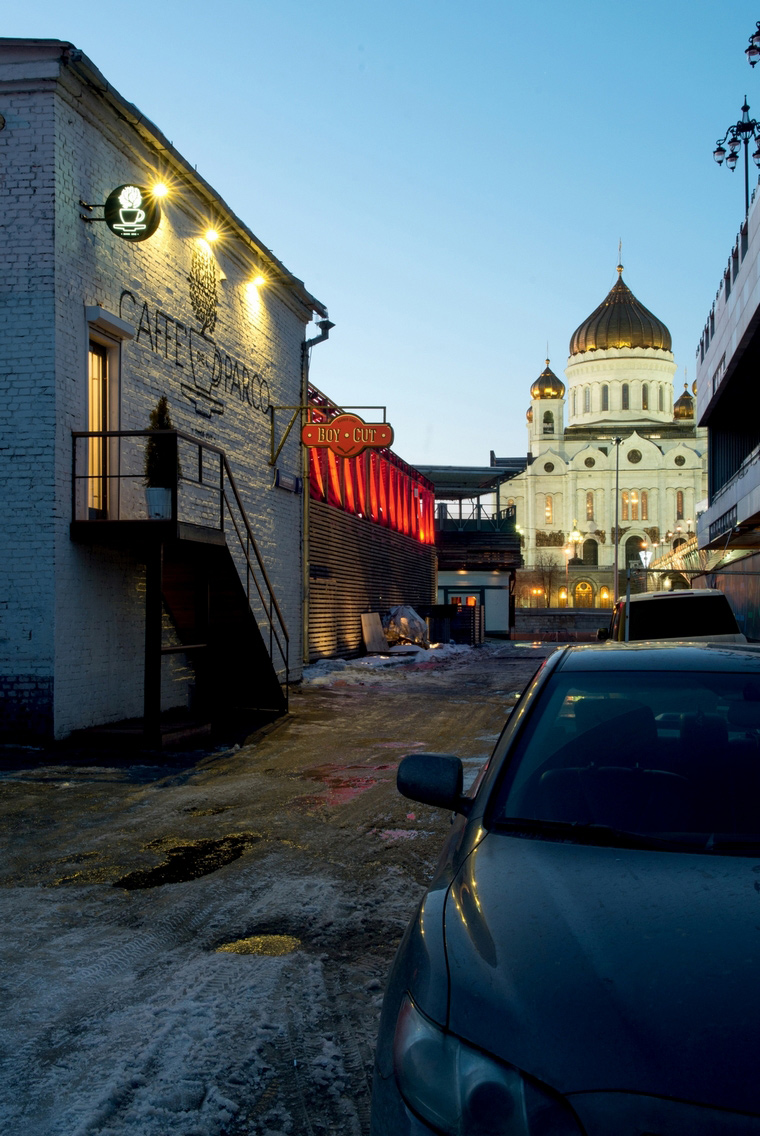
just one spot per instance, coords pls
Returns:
(678, 593)
(650, 655)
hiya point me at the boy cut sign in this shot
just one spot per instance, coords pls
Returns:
(347, 435)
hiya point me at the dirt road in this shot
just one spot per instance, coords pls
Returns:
(200, 948)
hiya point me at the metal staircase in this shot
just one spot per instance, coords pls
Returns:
(203, 569)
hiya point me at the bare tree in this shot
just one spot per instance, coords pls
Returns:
(548, 571)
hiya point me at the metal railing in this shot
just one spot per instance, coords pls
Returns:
(108, 485)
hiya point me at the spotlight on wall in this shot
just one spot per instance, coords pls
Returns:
(211, 235)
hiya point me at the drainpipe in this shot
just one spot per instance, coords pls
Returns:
(325, 327)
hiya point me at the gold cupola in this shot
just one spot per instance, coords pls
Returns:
(683, 407)
(620, 321)
(547, 385)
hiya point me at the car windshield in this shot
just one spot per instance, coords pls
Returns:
(672, 758)
(678, 617)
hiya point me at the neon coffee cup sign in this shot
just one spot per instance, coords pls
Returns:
(132, 213)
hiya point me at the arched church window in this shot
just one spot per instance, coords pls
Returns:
(644, 505)
(563, 596)
(605, 397)
(645, 397)
(587, 400)
(549, 510)
(625, 505)
(590, 553)
(632, 550)
(604, 597)
(548, 422)
(589, 506)
(634, 505)
(679, 505)
(659, 399)
(626, 399)
(583, 594)
(677, 543)
(575, 402)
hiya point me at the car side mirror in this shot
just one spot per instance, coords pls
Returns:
(602, 634)
(433, 779)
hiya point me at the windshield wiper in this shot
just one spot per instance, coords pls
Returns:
(725, 842)
(586, 833)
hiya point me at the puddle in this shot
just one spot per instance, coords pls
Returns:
(271, 945)
(189, 861)
(342, 783)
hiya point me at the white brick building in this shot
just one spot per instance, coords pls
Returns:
(95, 328)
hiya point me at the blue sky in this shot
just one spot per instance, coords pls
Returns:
(451, 179)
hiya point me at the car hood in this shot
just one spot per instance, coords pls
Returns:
(597, 968)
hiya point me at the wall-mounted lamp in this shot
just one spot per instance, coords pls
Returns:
(211, 235)
(160, 190)
(259, 281)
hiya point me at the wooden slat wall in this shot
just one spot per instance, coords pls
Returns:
(356, 566)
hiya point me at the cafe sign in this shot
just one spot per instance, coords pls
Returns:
(347, 435)
(132, 213)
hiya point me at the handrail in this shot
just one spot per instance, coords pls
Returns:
(268, 600)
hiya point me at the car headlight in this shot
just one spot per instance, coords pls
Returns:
(462, 1092)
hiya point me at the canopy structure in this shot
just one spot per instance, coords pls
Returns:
(466, 483)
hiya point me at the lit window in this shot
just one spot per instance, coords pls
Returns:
(644, 505)
(563, 597)
(549, 511)
(645, 397)
(679, 505)
(634, 505)
(625, 504)
(626, 402)
(604, 597)
(589, 506)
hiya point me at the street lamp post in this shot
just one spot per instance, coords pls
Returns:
(737, 135)
(617, 442)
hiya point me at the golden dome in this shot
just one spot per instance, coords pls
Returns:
(683, 407)
(547, 385)
(620, 321)
(529, 415)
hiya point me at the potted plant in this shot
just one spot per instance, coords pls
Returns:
(162, 468)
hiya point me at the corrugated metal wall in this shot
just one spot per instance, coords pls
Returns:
(356, 566)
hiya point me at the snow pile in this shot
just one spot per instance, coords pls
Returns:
(378, 668)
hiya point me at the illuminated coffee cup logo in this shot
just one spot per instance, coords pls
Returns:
(132, 213)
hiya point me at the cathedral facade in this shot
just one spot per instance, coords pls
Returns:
(614, 421)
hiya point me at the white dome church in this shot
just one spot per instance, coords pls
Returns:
(619, 385)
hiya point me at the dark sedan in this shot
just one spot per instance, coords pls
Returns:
(587, 958)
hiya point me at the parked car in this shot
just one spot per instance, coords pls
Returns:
(586, 958)
(702, 614)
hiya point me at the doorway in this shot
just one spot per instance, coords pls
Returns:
(98, 412)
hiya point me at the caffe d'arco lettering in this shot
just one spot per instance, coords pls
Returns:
(208, 369)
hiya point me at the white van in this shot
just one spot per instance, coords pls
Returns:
(701, 614)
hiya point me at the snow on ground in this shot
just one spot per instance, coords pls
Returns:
(121, 1015)
(364, 669)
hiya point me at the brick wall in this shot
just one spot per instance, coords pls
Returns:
(75, 614)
